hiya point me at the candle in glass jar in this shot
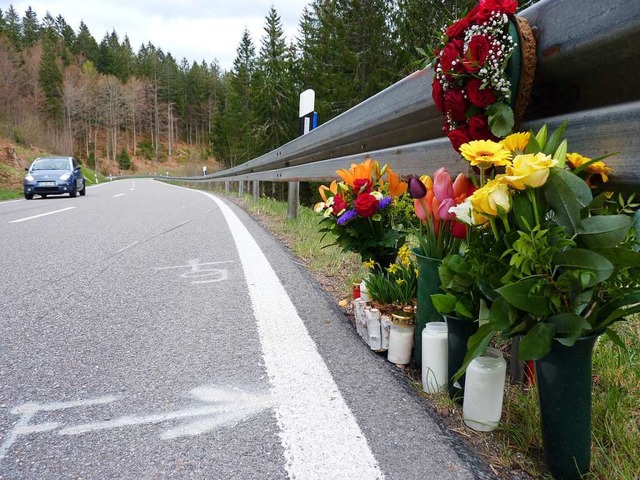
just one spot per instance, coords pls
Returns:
(434, 357)
(484, 391)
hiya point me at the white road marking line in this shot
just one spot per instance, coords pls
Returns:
(127, 247)
(118, 195)
(6, 202)
(319, 433)
(41, 215)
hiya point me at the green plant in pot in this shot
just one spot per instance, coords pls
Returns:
(460, 305)
(564, 267)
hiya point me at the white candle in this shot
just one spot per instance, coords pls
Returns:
(385, 327)
(484, 391)
(400, 344)
(434, 357)
(373, 326)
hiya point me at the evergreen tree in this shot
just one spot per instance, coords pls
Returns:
(13, 26)
(30, 28)
(50, 80)
(86, 45)
(275, 97)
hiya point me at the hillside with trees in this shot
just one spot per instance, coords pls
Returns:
(112, 106)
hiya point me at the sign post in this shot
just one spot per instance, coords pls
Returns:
(308, 120)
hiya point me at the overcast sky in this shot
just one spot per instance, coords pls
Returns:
(194, 29)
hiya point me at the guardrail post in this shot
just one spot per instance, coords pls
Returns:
(294, 200)
(226, 186)
(256, 190)
(240, 187)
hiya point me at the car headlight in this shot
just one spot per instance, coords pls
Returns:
(65, 176)
(29, 178)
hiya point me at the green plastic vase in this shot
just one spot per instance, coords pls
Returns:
(428, 284)
(564, 391)
(459, 330)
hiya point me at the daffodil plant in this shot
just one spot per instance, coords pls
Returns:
(395, 286)
(547, 251)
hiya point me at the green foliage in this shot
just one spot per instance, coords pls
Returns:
(124, 160)
(396, 285)
(462, 296)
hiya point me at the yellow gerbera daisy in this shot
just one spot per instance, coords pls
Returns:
(516, 142)
(595, 169)
(485, 154)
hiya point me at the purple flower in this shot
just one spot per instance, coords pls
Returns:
(416, 188)
(384, 203)
(346, 217)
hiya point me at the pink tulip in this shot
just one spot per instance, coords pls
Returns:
(442, 185)
(419, 209)
(443, 209)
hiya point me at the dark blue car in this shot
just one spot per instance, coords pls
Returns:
(53, 176)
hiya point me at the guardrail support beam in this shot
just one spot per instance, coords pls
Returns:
(294, 200)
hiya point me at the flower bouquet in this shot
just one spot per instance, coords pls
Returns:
(360, 212)
(559, 262)
(480, 69)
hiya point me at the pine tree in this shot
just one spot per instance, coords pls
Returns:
(275, 97)
(50, 80)
(86, 45)
(13, 27)
(30, 28)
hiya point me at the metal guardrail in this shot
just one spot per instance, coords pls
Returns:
(588, 73)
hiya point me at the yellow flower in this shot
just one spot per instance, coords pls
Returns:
(393, 268)
(427, 180)
(485, 154)
(404, 255)
(369, 264)
(493, 199)
(400, 281)
(333, 188)
(595, 169)
(356, 171)
(529, 171)
(516, 142)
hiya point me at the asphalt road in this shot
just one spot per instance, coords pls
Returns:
(150, 332)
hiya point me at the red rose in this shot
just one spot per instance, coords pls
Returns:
(362, 185)
(486, 9)
(457, 28)
(456, 105)
(437, 94)
(476, 54)
(480, 97)
(459, 136)
(366, 205)
(459, 229)
(450, 54)
(479, 128)
(338, 204)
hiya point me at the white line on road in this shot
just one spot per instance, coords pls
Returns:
(124, 249)
(319, 433)
(118, 195)
(41, 215)
(6, 202)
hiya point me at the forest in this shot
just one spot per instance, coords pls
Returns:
(66, 92)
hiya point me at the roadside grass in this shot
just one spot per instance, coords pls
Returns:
(9, 194)
(515, 447)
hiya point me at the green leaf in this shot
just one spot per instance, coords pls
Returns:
(567, 195)
(501, 119)
(603, 231)
(541, 136)
(444, 303)
(617, 309)
(613, 336)
(582, 259)
(620, 256)
(523, 211)
(501, 315)
(537, 342)
(532, 146)
(569, 324)
(519, 295)
(476, 346)
(555, 139)
(561, 154)
(464, 308)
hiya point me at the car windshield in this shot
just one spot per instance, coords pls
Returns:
(51, 164)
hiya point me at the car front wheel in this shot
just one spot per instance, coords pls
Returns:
(83, 192)
(28, 196)
(73, 192)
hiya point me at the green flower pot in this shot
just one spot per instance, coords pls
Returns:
(428, 284)
(564, 390)
(459, 330)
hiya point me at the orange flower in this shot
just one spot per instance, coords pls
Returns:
(357, 171)
(333, 188)
(396, 187)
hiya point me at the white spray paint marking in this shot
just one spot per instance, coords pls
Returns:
(222, 407)
(201, 272)
(28, 410)
(41, 215)
(118, 195)
(319, 433)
